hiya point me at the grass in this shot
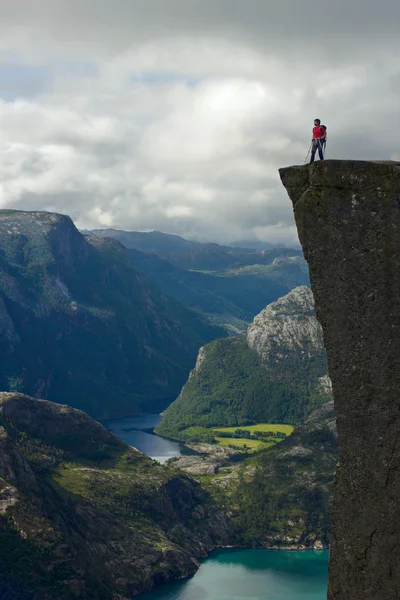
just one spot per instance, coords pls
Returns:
(274, 427)
(252, 445)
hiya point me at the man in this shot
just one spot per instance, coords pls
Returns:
(318, 140)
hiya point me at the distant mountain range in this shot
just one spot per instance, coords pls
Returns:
(228, 285)
(79, 325)
(277, 374)
(179, 251)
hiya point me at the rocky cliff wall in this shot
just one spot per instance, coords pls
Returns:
(348, 219)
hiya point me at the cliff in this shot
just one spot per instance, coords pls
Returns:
(79, 325)
(83, 515)
(348, 219)
(277, 374)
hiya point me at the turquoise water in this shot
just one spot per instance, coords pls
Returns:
(253, 575)
(231, 574)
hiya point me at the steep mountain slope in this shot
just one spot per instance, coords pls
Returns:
(79, 325)
(282, 496)
(231, 297)
(83, 515)
(276, 374)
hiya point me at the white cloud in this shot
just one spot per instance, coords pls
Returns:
(176, 116)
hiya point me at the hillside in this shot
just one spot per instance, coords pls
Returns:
(276, 374)
(83, 515)
(233, 296)
(228, 285)
(177, 250)
(282, 496)
(80, 326)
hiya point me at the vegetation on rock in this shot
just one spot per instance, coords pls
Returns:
(281, 496)
(79, 325)
(228, 285)
(83, 515)
(276, 375)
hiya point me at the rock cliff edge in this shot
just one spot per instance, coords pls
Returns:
(348, 219)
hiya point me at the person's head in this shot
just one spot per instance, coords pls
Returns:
(317, 122)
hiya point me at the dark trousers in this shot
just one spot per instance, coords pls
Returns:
(317, 145)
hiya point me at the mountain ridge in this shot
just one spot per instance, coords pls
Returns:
(80, 325)
(83, 515)
(236, 381)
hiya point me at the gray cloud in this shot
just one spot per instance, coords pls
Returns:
(176, 115)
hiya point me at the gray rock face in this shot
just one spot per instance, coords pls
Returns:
(7, 330)
(348, 218)
(287, 324)
(208, 460)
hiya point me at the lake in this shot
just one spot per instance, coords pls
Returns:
(230, 574)
(136, 431)
(253, 575)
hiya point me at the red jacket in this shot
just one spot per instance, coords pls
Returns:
(319, 132)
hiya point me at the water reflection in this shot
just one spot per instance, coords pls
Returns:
(137, 432)
(255, 575)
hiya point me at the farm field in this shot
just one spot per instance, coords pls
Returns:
(252, 444)
(274, 427)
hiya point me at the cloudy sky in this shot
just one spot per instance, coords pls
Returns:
(176, 114)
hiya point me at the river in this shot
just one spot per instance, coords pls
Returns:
(137, 431)
(230, 574)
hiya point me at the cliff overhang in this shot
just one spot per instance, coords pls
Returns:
(348, 219)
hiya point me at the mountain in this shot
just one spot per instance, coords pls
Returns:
(83, 515)
(173, 248)
(227, 285)
(80, 326)
(232, 297)
(277, 374)
(282, 496)
(193, 255)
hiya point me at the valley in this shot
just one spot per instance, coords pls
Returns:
(276, 374)
(228, 285)
(252, 437)
(243, 457)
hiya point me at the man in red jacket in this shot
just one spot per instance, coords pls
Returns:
(318, 140)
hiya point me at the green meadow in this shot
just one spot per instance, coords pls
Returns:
(253, 443)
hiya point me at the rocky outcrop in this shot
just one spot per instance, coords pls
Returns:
(277, 374)
(287, 325)
(208, 459)
(348, 218)
(83, 515)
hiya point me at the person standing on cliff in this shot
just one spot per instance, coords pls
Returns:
(318, 140)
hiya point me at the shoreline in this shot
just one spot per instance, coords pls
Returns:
(232, 549)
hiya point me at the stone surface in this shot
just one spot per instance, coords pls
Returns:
(286, 325)
(348, 219)
(208, 460)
